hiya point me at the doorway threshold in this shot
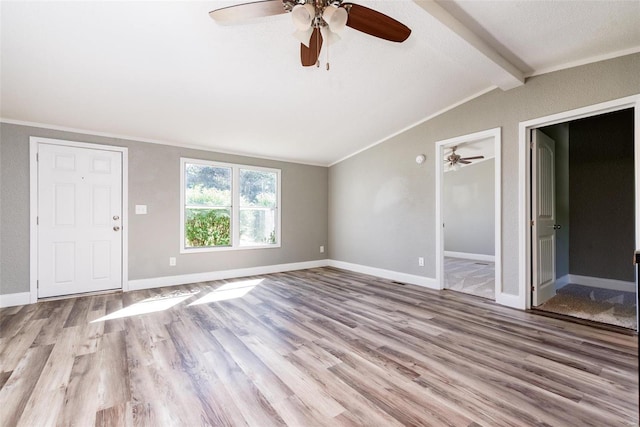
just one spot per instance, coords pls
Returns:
(79, 295)
(592, 323)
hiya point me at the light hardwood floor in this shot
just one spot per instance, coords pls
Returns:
(321, 347)
(470, 277)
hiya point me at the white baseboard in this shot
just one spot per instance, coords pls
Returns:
(598, 282)
(11, 300)
(563, 281)
(466, 255)
(508, 300)
(157, 282)
(427, 282)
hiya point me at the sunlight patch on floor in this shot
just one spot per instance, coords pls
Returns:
(229, 291)
(149, 305)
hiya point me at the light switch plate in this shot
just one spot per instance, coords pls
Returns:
(141, 209)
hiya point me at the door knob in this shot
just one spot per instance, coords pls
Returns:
(116, 217)
(116, 228)
(557, 226)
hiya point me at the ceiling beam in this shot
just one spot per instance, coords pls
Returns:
(506, 76)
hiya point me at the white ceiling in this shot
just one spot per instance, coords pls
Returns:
(165, 72)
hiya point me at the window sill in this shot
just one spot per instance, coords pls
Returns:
(227, 248)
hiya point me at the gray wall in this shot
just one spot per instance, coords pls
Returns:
(601, 196)
(468, 207)
(560, 134)
(381, 205)
(154, 180)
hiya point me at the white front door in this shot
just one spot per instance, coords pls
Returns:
(79, 220)
(544, 218)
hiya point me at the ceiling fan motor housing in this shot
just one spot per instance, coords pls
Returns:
(317, 13)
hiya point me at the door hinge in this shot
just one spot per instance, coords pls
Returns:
(531, 145)
(37, 157)
(37, 220)
(533, 223)
(533, 288)
(38, 284)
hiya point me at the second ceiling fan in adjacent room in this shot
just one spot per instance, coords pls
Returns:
(454, 160)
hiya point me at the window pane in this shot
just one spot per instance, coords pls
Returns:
(207, 227)
(257, 226)
(258, 188)
(207, 185)
(229, 206)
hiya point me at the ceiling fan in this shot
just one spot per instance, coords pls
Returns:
(317, 20)
(454, 160)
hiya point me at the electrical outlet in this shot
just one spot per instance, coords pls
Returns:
(172, 261)
(321, 249)
(420, 261)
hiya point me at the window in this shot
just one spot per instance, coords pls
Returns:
(226, 206)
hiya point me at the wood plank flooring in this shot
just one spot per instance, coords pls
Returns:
(320, 347)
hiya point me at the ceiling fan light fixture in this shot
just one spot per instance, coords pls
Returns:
(329, 36)
(304, 36)
(335, 17)
(303, 16)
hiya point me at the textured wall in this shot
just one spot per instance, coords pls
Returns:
(602, 196)
(393, 234)
(154, 180)
(468, 205)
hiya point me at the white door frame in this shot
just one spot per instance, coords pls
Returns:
(33, 209)
(440, 148)
(524, 180)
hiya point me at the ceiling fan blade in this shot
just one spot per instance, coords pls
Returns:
(375, 23)
(309, 55)
(472, 158)
(243, 12)
(464, 162)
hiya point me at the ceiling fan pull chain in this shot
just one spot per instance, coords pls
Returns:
(318, 49)
(327, 56)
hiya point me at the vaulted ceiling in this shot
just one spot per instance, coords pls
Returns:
(166, 72)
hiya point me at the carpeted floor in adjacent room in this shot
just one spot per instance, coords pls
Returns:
(596, 304)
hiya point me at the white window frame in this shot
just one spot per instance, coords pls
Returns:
(235, 206)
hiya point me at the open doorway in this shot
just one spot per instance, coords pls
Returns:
(468, 214)
(583, 213)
